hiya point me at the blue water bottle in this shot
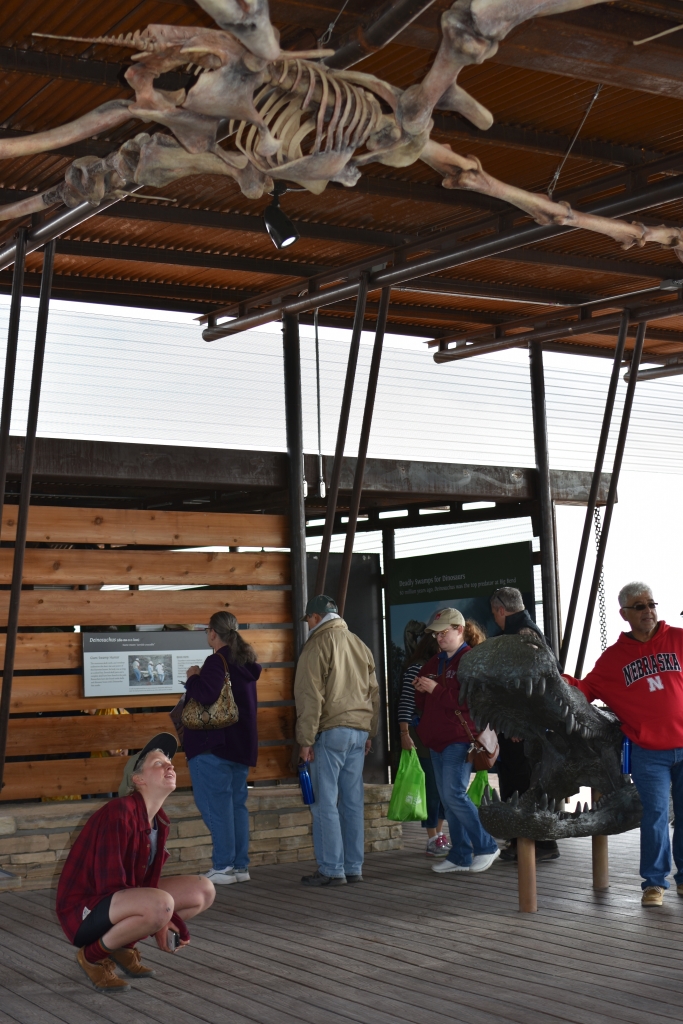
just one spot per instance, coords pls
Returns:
(626, 756)
(305, 783)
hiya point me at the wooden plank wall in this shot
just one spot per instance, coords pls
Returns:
(73, 549)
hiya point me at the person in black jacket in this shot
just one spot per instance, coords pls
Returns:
(514, 769)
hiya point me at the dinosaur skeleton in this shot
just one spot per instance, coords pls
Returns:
(256, 113)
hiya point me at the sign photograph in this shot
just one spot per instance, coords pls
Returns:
(121, 664)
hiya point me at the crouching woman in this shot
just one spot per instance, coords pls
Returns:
(110, 895)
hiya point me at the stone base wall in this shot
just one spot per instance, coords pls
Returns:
(35, 838)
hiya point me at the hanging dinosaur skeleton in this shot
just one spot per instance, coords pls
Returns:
(256, 113)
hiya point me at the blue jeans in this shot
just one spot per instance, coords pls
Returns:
(220, 793)
(468, 836)
(435, 809)
(339, 808)
(656, 774)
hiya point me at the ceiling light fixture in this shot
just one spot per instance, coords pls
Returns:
(278, 225)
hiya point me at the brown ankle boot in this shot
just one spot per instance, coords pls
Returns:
(102, 974)
(130, 962)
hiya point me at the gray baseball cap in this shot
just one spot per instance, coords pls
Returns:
(321, 604)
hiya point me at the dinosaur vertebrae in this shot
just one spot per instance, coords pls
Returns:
(312, 113)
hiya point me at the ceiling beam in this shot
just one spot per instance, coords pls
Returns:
(186, 258)
(548, 258)
(596, 45)
(113, 287)
(77, 69)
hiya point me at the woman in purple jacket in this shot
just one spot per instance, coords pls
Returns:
(220, 759)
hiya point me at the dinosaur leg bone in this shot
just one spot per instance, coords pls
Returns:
(101, 119)
(471, 32)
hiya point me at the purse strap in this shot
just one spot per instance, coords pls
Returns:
(458, 713)
(225, 665)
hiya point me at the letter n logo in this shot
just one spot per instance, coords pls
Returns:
(655, 683)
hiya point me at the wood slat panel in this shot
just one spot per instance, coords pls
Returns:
(132, 526)
(42, 651)
(44, 566)
(27, 780)
(28, 737)
(131, 607)
(64, 693)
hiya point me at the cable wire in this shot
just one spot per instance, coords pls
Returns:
(556, 177)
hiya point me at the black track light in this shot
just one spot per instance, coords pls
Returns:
(278, 225)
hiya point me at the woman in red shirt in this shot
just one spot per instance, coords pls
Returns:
(441, 728)
(110, 895)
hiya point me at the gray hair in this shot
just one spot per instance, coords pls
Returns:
(632, 590)
(508, 598)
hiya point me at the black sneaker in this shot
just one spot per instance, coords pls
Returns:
(547, 853)
(508, 855)
(319, 879)
(352, 879)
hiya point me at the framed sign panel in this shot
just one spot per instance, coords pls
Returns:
(123, 664)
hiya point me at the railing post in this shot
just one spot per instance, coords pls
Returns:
(11, 361)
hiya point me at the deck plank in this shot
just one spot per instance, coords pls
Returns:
(405, 947)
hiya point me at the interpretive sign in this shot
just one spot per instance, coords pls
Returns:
(121, 664)
(454, 579)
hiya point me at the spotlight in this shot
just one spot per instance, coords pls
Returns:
(278, 225)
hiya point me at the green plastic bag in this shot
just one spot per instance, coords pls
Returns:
(409, 798)
(478, 786)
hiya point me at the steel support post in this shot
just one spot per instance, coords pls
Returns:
(388, 557)
(344, 413)
(363, 447)
(595, 486)
(11, 360)
(612, 494)
(25, 498)
(295, 442)
(545, 499)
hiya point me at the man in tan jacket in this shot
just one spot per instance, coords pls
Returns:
(337, 707)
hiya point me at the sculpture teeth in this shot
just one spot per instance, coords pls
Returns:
(566, 711)
(586, 808)
(544, 802)
(485, 798)
(514, 799)
(551, 806)
(577, 810)
(541, 686)
(496, 798)
(529, 683)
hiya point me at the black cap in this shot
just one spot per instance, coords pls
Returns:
(165, 741)
(320, 605)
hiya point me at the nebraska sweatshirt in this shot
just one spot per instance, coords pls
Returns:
(643, 684)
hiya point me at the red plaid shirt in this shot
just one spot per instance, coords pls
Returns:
(111, 854)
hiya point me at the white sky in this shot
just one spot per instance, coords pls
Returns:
(145, 376)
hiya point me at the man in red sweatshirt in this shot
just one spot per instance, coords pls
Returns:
(641, 679)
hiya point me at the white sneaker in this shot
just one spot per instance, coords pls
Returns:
(225, 877)
(483, 861)
(445, 866)
(242, 875)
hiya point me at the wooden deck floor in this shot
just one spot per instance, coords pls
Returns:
(406, 946)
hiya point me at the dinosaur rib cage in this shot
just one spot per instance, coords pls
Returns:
(303, 99)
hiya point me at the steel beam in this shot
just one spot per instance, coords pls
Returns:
(595, 484)
(25, 498)
(479, 248)
(366, 426)
(544, 496)
(631, 268)
(611, 497)
(342, 429)
(295, 454)
(11, 360)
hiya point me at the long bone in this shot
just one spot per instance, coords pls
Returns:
(471, 33)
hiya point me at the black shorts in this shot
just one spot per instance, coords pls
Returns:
(94, 926)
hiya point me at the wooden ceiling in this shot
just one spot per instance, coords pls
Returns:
(208, 249)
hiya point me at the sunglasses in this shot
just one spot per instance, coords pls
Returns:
(641, 606)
